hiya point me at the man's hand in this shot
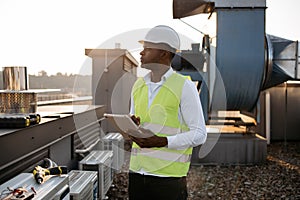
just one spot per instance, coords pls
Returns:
(148, 139)
(137, 120)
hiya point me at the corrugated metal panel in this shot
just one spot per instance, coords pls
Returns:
(25, 165)
(54, 188)
(285, 109)
(85, 137)
(233, 149)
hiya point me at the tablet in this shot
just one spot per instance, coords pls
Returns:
(122, 121)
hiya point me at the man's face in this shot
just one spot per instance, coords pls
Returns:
(150, 56)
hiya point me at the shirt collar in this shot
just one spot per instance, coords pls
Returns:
(166, 75)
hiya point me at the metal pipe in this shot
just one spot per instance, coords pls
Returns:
(297, 60)
(88, 149)
(268, 116)
(15, 78)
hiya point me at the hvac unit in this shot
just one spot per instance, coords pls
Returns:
(55, 188)
(115, 143)
(101, 162)
(83, 185)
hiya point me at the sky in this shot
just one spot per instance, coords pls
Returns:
(52, 35)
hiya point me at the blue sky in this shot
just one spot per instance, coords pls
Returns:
(52, 35)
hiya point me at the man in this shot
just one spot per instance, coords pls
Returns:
(171, 118)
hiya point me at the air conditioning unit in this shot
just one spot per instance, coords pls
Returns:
(83, 185)
(55, 188)
(101, 162)
(114, 142)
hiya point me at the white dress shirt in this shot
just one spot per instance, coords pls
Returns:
(190, 112)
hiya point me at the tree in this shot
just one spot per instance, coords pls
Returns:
(42, 73)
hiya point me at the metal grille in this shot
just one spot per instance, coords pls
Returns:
(18, 102)
(82, 185)
(114, 142)
(100, 161)
(87, 136)
(24, 165)
(107, 177)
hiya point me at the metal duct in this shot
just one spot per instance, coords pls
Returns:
(185, 8)
(191, 7)
(282, 61)
(240, 56)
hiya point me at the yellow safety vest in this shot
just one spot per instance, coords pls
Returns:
(162, 118)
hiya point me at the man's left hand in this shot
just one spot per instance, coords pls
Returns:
(148, 140)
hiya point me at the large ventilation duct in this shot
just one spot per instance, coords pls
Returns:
(246, 61)
(240, 56)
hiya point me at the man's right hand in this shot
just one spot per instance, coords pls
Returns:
(137, 120)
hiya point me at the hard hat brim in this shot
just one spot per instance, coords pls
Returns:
(164, 47)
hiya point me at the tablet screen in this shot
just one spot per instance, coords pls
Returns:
(122, 121)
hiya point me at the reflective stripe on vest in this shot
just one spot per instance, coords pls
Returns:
(162, 119)
(157, 128)
(164, 155)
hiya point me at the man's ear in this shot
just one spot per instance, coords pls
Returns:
(165, 54)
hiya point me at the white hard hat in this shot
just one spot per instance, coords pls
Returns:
(163, 34)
